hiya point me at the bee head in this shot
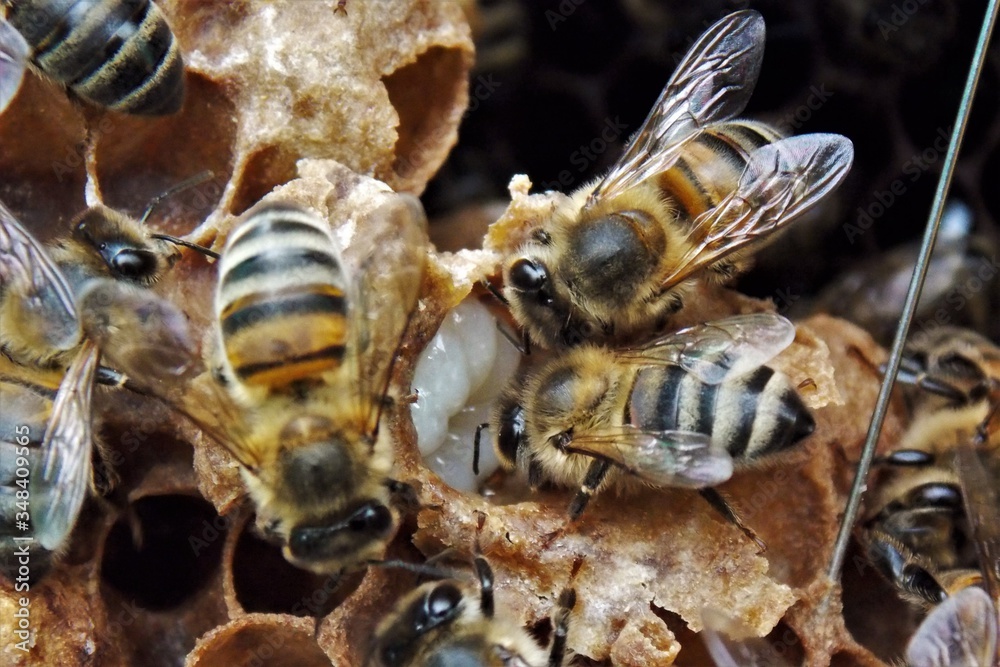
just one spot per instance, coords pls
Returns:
(544, 305)
(420, 619)
(341, 539)
(510, 436)
(126, 251)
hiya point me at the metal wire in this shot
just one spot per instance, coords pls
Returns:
(916, 285)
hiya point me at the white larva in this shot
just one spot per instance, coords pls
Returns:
(459, 375)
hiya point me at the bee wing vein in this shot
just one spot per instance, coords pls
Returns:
(24, 262)
(66, 448)
(14, 54)
(712, 83)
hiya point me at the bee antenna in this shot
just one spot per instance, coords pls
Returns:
(492, 289)
(187, 244)
(197, 179)
(523, 346)
(416, 568)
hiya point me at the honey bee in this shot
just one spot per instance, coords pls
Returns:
(936, 535)
(57, 314)
(680, 411)
(118, 54)
(91, 285)
(691, 198)
(961, 278)
(440, 623)
(305, 350)
(45, 441)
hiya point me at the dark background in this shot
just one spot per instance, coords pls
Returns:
(887, 74)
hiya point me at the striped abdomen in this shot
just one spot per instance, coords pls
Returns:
(748, 416)
(710, 165)
(281, 303)
(119, 54)
(23, 417)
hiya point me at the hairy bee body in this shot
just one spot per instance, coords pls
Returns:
(442, 623)
(683, 410)
(119, 54)
(281, 300)
(104, 244)
(45, 462)
(709, 167)
(693, 195)
(935, 526)
(748, 417)
(25, 414)
(304, 350)
(921, 523)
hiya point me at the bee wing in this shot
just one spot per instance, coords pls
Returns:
(959, 632)
(662, 458)
(718, 350)
(390, 251)
(14, 54)
(66, 447)
(713, 83)
(720, 637)
(140, 333)
(780, 182)
(206, 403)
(982, 507)
(46, 294)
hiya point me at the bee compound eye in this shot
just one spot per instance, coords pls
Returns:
(527, 275)
(134, 264)
(371, 519)
(440, 605)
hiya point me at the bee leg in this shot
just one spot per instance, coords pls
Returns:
(483, 571)
(722, 506)
(914, 374)
(560, 624)
(595, 475)
(536, 476)
(523, 346)
(902, 568)
(404, 496)
(475, 447)
(485, 575)
(109, 377)
(103, 477)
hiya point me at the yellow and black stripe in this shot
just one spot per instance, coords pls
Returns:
(711, 164)
(281, 303)
(749, 416)
(120, 54)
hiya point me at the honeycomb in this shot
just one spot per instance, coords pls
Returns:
(297, 100)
